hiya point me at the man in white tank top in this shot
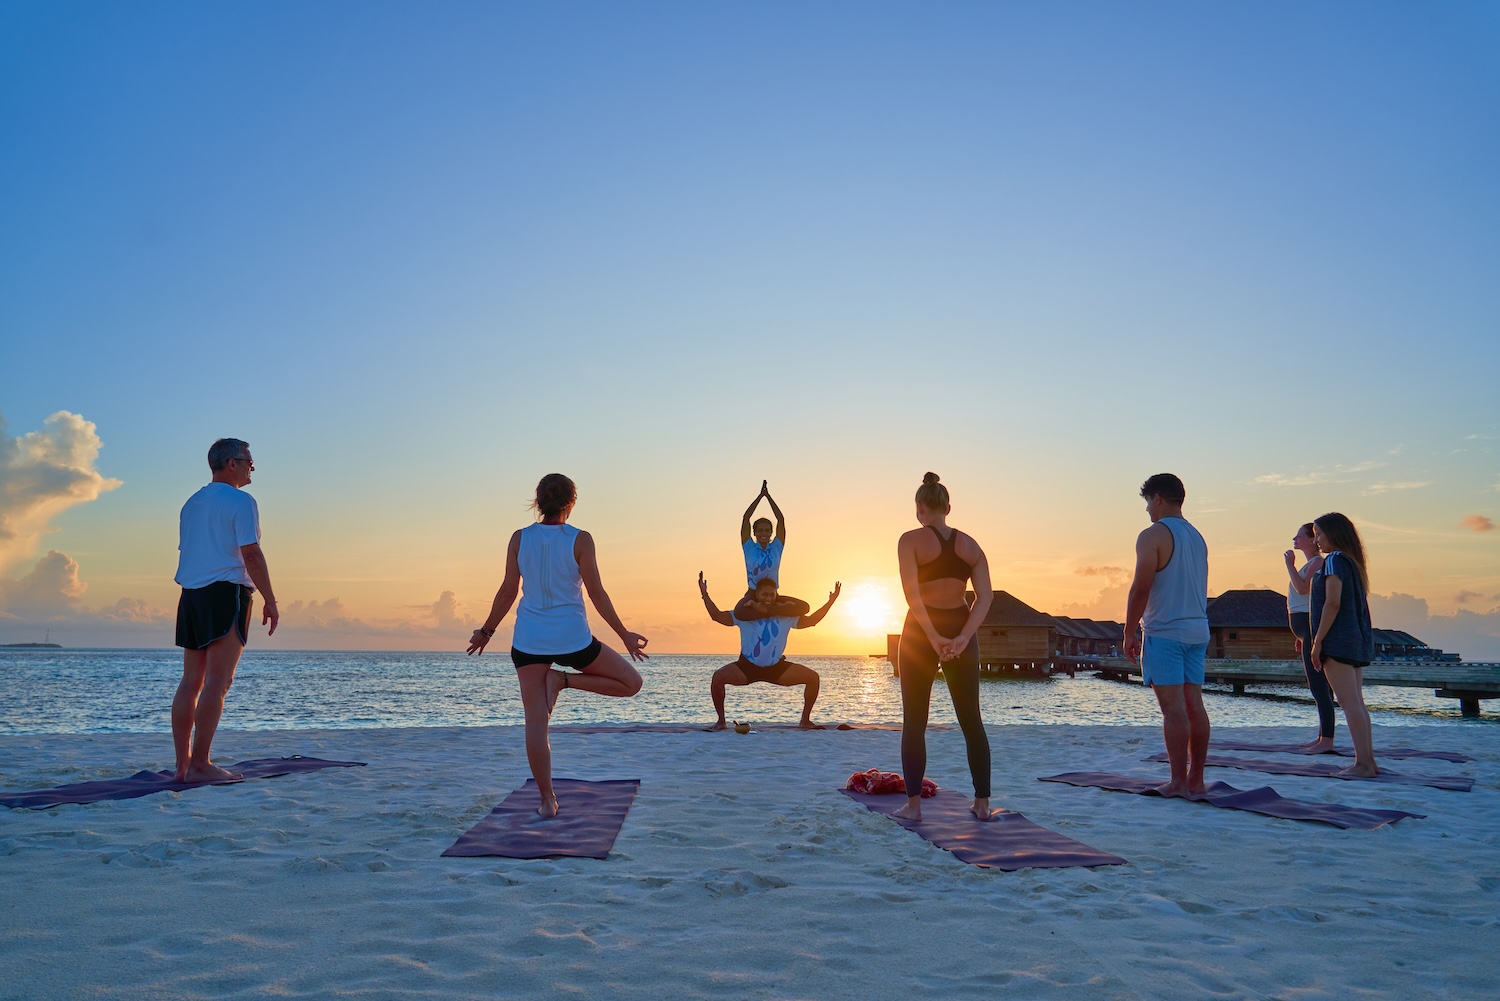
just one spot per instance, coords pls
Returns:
(1169, 603)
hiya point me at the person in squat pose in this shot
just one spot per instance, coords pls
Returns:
(556, 562)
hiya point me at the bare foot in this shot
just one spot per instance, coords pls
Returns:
(1318, 745)
(1171, 789)
(1359, 771)
(548, 809)
(721, 725)
(911, 811)
(209, 772)
(980, 808)
(556, 682)
(808, 724)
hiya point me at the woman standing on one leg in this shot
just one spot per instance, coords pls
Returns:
(937, 563)
(1298, 608)
(1343, 642)
(557, 562)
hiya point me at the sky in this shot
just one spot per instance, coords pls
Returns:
(420, 255)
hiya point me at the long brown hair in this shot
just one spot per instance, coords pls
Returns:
(1341, 532)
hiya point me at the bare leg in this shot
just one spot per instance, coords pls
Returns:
(1348, 685)
(797, 674)
(533, 679)
(184, 705)
(1175, 734)
(610, 674)
(729, 674)
(1198, 733)
(219, 661)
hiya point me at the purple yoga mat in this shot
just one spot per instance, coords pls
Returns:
(1265, 801)
(1007, 842)
(588, 819)
(1346, 752)
(1331, 770)
(146, 783)
(699, 727)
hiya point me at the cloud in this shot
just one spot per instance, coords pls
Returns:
(1477, 523)
(50, 590)
(1474, 635)
(1464, 597)
(1338, 474)
(43, 473)
(1382, 488)
(1110, 572)
(448, 612)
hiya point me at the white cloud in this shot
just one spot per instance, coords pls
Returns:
(1338, 474)
(1381, 488)
(1474, 635)
(50, 590)
(43, 473)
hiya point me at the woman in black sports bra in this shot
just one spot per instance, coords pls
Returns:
(937, 564)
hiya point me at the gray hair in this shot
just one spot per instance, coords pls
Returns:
(225, 449)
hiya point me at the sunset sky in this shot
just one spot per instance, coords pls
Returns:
(420, 255)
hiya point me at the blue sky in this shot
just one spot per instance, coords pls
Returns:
(420, 255)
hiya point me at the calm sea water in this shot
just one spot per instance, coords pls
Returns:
(128, 691)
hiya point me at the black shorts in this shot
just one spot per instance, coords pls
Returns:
(577, 660)
(207, 614)
(754, 673)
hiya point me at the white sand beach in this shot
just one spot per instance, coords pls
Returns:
(739, 872)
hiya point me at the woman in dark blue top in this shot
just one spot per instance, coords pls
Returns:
(1343, 641)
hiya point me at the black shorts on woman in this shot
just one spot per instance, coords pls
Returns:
(577, 660)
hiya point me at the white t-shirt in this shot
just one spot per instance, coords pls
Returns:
(763, 641)
(215, 522)
(761, 563)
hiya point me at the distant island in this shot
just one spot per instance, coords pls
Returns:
(32, 646)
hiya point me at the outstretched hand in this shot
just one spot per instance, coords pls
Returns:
(833, 595)
(477, 642)
(702, 585)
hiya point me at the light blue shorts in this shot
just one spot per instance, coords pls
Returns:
(1169, 662)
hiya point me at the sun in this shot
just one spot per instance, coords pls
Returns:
(868, 608)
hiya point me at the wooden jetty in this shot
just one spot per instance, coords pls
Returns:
(1464, 681)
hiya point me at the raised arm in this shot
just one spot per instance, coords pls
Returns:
(588, 569)
(510, 587)
(745, 521)
(260, 575)
(1147, 562)
(808, 621)
(722, 618)
(1302, 579)
(780, 521)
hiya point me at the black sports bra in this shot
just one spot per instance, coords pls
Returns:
(948, 565)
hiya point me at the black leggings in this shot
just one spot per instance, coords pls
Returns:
(918, 665)
(1317, 681)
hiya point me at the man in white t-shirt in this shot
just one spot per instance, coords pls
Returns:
(762, 553)
(219, 565)
(765, 621)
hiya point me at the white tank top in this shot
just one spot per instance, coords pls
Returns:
(1177, 608)
(550, 618)
(1298, 602)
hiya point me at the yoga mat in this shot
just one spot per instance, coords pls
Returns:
(702, 728)
(588, 819)
(146, 783)
(1007, 842)
(1346, 752)
(1330, 770)
(1265, 801)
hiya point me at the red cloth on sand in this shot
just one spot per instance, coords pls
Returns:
(878, 782)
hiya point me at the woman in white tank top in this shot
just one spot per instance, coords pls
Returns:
(556, 562)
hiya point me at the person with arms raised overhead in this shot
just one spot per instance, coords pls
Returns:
(762, 552)
(556, 563)
(766, 620)
(1168, 601)
(219, 567)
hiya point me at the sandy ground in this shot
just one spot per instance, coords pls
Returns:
(740, 872)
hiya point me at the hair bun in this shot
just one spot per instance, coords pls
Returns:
(930, 478)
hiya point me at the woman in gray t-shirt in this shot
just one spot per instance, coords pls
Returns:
(1343, 641)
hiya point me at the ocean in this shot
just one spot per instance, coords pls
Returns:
(129, 691)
